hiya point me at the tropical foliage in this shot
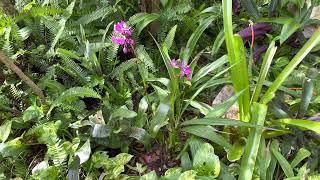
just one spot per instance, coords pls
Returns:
(126, 89)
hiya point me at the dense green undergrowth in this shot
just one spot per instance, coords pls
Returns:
(97, 89)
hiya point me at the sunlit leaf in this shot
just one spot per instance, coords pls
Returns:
(84, 152)
(5, 130)
(205, 162)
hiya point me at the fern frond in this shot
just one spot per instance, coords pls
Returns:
(24, 33)
(15, 93)
(73, 93)
(73, 69)
(77, 106)
(112, 51)
(100, 13)
(21, 169)
(118, 71)
(144, 57)
(4, 103)
(57, 153)
(7, 48)
(41, 11)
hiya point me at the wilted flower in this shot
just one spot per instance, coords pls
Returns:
(185, 70)
(257, 53)
(122, 35)
(259, 30)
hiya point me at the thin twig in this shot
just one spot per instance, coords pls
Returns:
(9, 63)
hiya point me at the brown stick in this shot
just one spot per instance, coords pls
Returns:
(9, 63)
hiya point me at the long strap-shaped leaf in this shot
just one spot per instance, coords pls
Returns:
(259, 112)
(264, 70)
(196, 35)
(310, 44)
(237, 58)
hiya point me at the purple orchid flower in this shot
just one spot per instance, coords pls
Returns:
(185, 70)
(122, 35)
(174, 63)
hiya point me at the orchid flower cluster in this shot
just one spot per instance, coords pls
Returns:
(122, 35)
(184, 68)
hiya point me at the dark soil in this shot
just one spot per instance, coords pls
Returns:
(156, 159)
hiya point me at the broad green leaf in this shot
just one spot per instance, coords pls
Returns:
(40, 167)
(205, 162)
(259, 112)
(123, 113)
(32, 112)
(162, 93)
(173, 173)
(74, 169)
(101, 131)
(194, 143)
(143, 105)
(288, 29)
(114, 166)
(209, 133)
(12, 148)
(188, 175)
(237, 150)
(160, 119)
(282, 160)
(209, 68)
(301, 155)
(149, 176)
(141, 135)
(5, 129)
(302, 123)
(84, 152)
(186, 163)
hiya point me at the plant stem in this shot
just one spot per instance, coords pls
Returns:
(9, 63)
